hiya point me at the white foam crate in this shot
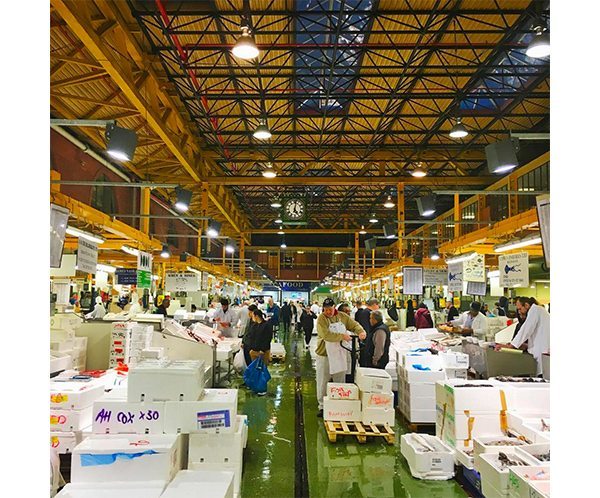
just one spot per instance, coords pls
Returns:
(74, 395)
(114, 416)
(481, 444)
(236, 468)
(492, 473)
(147, 489)
(70, 420)
(521, 478)
(428, 465)
(201, 484)
(217, 448)
(153, 380)
(535, 449)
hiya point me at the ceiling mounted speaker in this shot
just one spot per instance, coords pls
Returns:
(426, 205)
(371, 244)
(390, 230)
(502, 156)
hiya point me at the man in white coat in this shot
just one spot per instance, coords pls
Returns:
(472, 321)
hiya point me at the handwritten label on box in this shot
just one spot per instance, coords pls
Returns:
(122, 417)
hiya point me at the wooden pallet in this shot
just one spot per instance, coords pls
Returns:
(358, 429)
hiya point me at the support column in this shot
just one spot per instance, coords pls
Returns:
(203, 212)
(224, 256)
(372, 259)
(242, 256)
(401, 219)
(357, 252)
(456, 216)
(318, 265)
(145, 210)
(279, 264)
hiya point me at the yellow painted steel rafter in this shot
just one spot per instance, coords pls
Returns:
(147, 96)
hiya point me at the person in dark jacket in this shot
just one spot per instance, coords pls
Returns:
(410, 314)
(503, 306)
(393, 312)
(247, 338)
(452, 311)
(377, 343)
(362, 316)
(260, 337)
(307, 323)
(286, 316)
(423, 318)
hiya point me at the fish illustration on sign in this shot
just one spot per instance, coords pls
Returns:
(508, 269)
(452, 276)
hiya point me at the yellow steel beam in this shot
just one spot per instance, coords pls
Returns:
(148, 95)
(79, 79)
(88, 214)
(300, 248)
(350, 180)
(313, 230)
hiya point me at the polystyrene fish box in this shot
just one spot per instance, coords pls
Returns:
(496, 444)
(377, 400)
(153, 380)
(201, 484)
(235, 468)
(527, 397)
(419, 403)
(62, 345)
(454, 426)
(464, 457)
(378, 415)
(373, 380)
(348, 410)
(243, 421)
(422, 390)
(217, 448)
(70, 420)
(490, 491)
(537, 430)
(456, 373)
(342, 391)
(516, 420)
(540, 489)
(476, 396)
(415, 376)
(427, 456)
(147, 489)
(452, 359)
(64, 442)
(214, 413)
(420, 415)
(75, 395)
(539, 452)
(123, 417)
(521, 478)
(493, 473)
(126, 457)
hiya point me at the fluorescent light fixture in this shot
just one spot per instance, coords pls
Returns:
(121, 142)
(106, 268)
(276, 204)
(337, 252)
(399, 274)
(435, 257)
(300, 252)
(269, 172)
(493, 273)
(245, 48)
(434, 233)
(76, 232)
(389, 203)
(373, 219)
(130, 250)
(262, 131)
(184, 197)
(450, 225)
(540, 44)
(458, 130)
(516, 244)
(281, 232)
(462, 257)
(214, 227)
(165, 253)
(468, 216)
(362, 230)
(189, 268)
(262, 251)
(426, 205)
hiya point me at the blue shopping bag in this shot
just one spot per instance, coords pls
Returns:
(257, 376)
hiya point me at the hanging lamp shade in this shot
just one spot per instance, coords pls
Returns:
(245, 48)
(458, 130)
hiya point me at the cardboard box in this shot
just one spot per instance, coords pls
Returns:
(217, 448)
(123, 417)
(378, 415)
(126, 457)
(200, 484)
(437, 464)
(380, 400)
(70, 420)
(166, 381)
(342, 391)
(342, 409)
(147, 489)
(214, 413)
(373, 380)
(74, 395)
(235, 468)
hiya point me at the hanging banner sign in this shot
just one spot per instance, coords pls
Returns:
(144, 274)
(412, 282)
(476, 288)
(455, 277)
(435, 276)
(391, 283)
(514, 270)
(295, 286)
(87, 256)
(188, 281)
(474, 269)
(126, 276)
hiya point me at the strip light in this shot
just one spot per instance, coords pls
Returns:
(189, 268)
(517, 244)
(463, 257)
(76, 232)
(106, 268)
(130, 250)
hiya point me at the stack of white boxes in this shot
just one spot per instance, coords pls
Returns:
(140, 339)
(342, 403)
(455, 364)
(197, 483)
(79, 353)
(377, 399)
(71, 412)
(128, 340)
(416, 387)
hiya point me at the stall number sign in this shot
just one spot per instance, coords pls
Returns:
(182, 281)
(87, 256)
(144, 266)
(474, 269)
(514, 270)
(435, 276)
(120, 417)
(455, 277)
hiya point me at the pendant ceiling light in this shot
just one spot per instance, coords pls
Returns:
(269, 172)
(213, 228)
(389, 203)
(276, 204)
(458, 130)
(539, 46)
(373, 219)
(165, 253)
(262, 131)
(419, 172)
(184, 197)
(362, 230)
(245, 48)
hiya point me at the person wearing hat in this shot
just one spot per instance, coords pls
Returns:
(329, 316)
(163, 304)
(472, 322)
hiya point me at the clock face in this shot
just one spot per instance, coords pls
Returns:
(294, 209)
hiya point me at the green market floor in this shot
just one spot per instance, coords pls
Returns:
(342, 469)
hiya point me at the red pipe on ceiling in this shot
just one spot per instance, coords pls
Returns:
(184, 59)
